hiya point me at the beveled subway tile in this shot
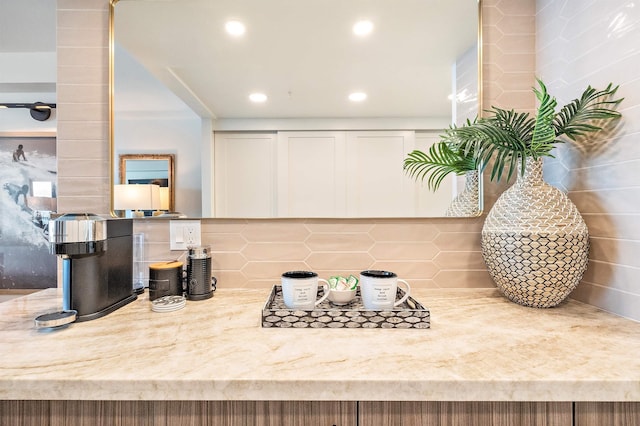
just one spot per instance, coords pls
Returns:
(492, 16)
(159, 252)
(271, 270)
(339, 260)
(613, 226)
(518, 44)
(620, 277)
(71, 186)
(276, 251)
(458, 241)
(82, 149)
(409, 270)
(518, 25)
(460, 224)
(87, 131)
(229, 279)
(83, 5)
(618, 251)
(81, 112)
(275, 231)
(224, 242)
(622, 303)
(460, 260)
(78, 18)
(404, 232)
(463, 279)
(339, 242)
(267, 285)
(422, 283)
(327, 273)
(154, 232)
(83, 57)
(223, 226)
(81, 37)
(84, 93)
(82, 204)
(403, 251)
(338, 225)
(519, 101)
(515, 8)
(612, 201)
(82, 168)
(228, 260)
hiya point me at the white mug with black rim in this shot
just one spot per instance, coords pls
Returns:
(379, 289)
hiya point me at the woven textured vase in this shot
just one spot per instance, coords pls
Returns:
(534, 241)
(466, 203)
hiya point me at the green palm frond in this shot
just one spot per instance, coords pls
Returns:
(504, 138)
(544, 134)
(440, 161)
(577, 117)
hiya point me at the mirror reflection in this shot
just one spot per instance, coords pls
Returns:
(139, 174)
(183, 86)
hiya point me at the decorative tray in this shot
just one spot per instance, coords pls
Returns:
(410, 314)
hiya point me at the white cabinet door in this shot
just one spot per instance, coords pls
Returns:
(311, 174)
(322, 174)
(434, 204)
(245, 174)
(377, 184)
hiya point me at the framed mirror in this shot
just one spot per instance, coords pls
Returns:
(154, 169)
(182, 85)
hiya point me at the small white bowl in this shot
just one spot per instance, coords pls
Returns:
(341, 297)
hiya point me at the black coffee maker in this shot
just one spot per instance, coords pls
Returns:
(200, 284)
(97, 263)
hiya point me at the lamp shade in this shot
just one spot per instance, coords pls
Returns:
(136, 197)
(164, 198)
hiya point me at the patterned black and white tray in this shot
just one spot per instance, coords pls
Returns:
(410, 314)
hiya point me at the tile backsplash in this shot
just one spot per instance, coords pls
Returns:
(431, 252)
(581, 43)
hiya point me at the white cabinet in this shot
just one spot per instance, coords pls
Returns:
(245, 174)
(322, 174)
(311, 174)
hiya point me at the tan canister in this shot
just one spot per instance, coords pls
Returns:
(165, 279)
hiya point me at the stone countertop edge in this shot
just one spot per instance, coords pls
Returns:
(480, 347)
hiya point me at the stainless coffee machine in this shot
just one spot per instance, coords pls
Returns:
(97, 263)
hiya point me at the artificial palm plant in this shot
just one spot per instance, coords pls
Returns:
(534, 241)
(454, 153)
(508, 137)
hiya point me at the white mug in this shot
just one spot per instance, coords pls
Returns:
(300, 290)
(379, 288)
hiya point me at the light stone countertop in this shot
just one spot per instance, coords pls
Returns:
(480, 347)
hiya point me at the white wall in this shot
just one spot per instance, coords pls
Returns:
(149, 119)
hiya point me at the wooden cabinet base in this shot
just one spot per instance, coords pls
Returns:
(178, 413)
(465, 413)
(607, 413)
(320, 413)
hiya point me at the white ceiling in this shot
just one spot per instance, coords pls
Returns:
(301, 53)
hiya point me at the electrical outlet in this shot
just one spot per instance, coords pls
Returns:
(184, 234)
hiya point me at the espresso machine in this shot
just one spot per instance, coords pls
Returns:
(97, 266)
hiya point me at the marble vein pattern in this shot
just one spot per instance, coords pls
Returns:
(480, 347)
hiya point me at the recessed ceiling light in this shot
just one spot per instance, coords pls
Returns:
(235, 28)
(258, 97)
(357, 97)
(362, 28)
